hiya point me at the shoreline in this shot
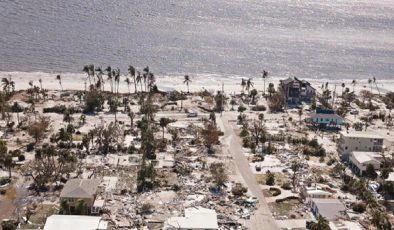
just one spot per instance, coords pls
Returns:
(210, 82)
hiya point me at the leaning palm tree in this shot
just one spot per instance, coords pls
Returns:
(59, 78)
(264, 76)
(132, 74)
(187, 81)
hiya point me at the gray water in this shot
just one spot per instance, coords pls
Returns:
(306, 38)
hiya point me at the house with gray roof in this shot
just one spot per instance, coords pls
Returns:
(330, 209)
(80, 190)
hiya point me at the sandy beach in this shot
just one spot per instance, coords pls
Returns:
(230, 84)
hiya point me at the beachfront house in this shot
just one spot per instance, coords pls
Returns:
(78, 190)
(359, 141)
(324, 119)
(67, 222)
(195, 218)
(297, 91)
(331, 209)
(359, 161)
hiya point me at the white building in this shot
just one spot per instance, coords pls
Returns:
(361, 141)
(67, 222)
(360, 160)
(195, 218)
(315, 192)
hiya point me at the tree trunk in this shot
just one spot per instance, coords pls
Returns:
(135, 85)
(9, 172)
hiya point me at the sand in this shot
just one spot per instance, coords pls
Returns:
(72, 81)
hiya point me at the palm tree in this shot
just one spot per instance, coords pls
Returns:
(163, 123)
(151, 81)
(82, 119)
(86, 70)
(370, 83)
(271, 89)
(16, 108)
(59, 78)
(100, 80)
(139, 79)
(377, 88)
(232, 103)
(354, 82)
(92, 72)
(253, 94)
(116, 74)
(145, 76)
(343, 88)
(132, 74)
(300, 112)
(8, 85)
(243, 84)
(249, 84)
(264, 76)
(40, 81)
(131, 115)
(109, 78)
(128, 84)
(187, 81)
(261, 117)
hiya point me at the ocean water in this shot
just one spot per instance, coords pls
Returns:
(330, 39)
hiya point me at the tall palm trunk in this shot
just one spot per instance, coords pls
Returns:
(135, 85)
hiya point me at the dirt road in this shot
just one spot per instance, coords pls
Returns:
(262, 219)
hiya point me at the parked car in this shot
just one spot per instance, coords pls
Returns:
(354, 112)
(192, 114)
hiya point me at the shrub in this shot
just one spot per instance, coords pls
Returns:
(331, 161)
(259, 108)
(239, 190)
(270, 179)
(245, 142)
(275, 191)
(359, 207)
(30, 147)
(244, 132)
(21, 158)
(60, 109)
(286, 186)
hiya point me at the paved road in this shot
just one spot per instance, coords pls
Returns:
(262, 218)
